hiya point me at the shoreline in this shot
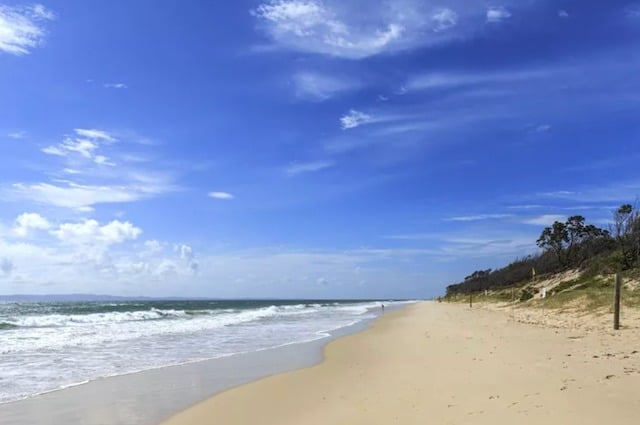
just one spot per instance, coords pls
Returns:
(445, 363)
(148, 396)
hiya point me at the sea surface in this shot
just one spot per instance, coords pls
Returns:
(45, 346)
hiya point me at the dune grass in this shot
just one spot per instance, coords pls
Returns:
(584, 294)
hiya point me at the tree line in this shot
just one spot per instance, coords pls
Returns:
(572, 244)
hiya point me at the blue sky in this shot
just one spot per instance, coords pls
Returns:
(305, 148)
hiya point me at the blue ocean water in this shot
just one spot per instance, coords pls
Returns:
(46, 346)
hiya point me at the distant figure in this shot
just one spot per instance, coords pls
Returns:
(382, 305)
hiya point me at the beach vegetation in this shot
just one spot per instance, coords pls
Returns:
(570, 245)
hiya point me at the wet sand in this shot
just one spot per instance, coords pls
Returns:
(448, 364)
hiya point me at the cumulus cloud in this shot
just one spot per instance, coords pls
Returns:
(354, 119)
(221, 195)
(28, 222)
(22, 28)
(320, 87)
(188, 257)
(563, 14)
(308, 167)
(90, 232)
(153, 245)
(497, 14)
(186, 252)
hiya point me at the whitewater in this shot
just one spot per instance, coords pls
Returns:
(49, 346)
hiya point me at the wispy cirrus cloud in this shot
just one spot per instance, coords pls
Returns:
(457, 79)
(297, 168)
(83, 197)
(544, 220)
(22, 28)
(115, 86)
(80, 175)
(319, 87)
(621, 191)
(17, 135)
(478, 217)
(86, 142)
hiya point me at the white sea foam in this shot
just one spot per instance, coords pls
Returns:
(45, 351)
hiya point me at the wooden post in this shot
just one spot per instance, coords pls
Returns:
(470, 300)
(616, 302)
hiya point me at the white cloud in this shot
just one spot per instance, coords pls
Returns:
(85, 143)
(358, 29)
(544, 220)
(62, 258)
(153, 245)
(308, 167)
(525, 206)
(17, 135)
(93, 133)
(449, 80)
(77, 196)
(220, 195)
(478, 217)
(341, 29)
(80, 156)
(563, 14)
(354, 119)
(22, 28)
(91, 232)
(320, 87)
(497, 14)
(27, 222)
(115, 86)
(186, 252)
(444, 19)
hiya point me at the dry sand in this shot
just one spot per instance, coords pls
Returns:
(448, 364)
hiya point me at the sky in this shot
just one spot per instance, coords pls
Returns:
(305, 148)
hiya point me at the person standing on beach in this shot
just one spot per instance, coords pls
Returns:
(382, 306)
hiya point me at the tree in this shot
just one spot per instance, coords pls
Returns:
(570, 241)
(554, 238)
(626, 230)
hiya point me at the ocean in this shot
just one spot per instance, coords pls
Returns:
(45, 346)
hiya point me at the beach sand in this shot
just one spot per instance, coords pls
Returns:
(448, 364)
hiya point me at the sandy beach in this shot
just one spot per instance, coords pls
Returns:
(448, 364)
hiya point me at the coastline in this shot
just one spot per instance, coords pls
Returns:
(445, 363)
(146, 397)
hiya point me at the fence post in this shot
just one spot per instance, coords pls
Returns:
(470, 300)
(616, 302)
